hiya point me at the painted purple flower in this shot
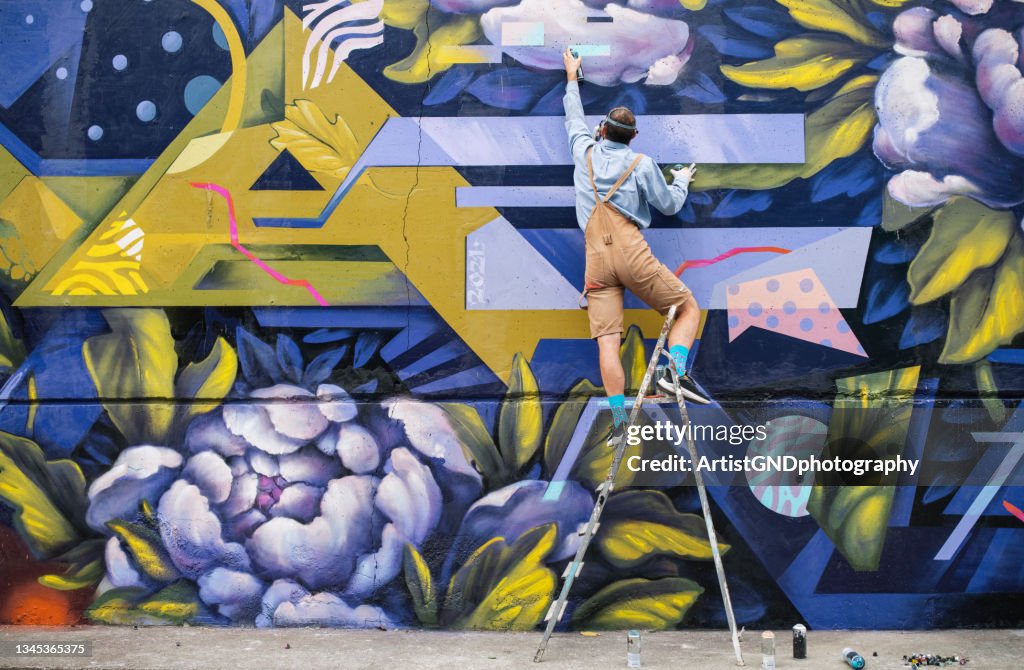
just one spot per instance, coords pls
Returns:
(288, 507)
(951, 108)
(641, 46)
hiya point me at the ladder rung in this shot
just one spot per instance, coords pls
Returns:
(565, 573)
(551, 610)
(606, 486)
(591, 529)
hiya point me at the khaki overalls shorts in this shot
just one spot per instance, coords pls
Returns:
(618, 258)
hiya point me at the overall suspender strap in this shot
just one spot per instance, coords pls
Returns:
(629, 170)
(605, 235)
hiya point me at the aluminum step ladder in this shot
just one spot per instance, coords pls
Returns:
(572, 571)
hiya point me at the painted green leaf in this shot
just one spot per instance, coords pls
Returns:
(837, 129)
(596, 457)
(12, 351)
(989, 391)
(870, 420)
(833, 17)
(639, 525)
(210, 380)
(897, 216)
(806, 63)
(988, 310)
(176, 603)
(477, 443)
(47, 497)
(564, 423)
(521, 418)
(434, 32)
(421, 586)
(966, 236)
(638, 603)
(135, 362)
(78, 577)
(503, 587)
(145, 546)
(634, 359)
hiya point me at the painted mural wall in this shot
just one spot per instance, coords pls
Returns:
(290, 332)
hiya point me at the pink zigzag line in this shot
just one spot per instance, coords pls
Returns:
(705, 262)
(251, 256)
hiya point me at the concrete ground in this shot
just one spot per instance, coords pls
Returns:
(309, 649)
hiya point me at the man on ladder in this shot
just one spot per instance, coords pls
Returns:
(618, 257)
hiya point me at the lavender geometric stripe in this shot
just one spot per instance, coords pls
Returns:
(540, 140)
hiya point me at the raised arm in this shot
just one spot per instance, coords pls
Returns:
(666, 198)
(575, 124)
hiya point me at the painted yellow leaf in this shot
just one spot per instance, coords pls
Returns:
(404, 14)
(12, 351)
(145, 547)
(639, 525)
(988, 310)
(175, 603)
(694, 5)
(86, 575)
(421, 586)
(521, 418)
(832, 17)
(966, 236)
(477, 443)
(44, 496)
(639, 603)
(805, 63)
(897, 216)
(634, 359)
(503, 587)
(836, 130)
(135, 362)
(208, 380)
(437, 30)
(891, 3)
(319, 144)
(563, 425)
(630, 543)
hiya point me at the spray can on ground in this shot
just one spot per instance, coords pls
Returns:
(633, 649)
(767, 650)
(852, 658)
(799, 641)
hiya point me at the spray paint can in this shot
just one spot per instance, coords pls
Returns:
(767, 650)
(799, 641)
(852, 658)
(633, 649)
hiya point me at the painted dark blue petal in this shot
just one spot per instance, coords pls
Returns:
(450, 85)
(257, 359)
(888, 296)
(509, 88)
(926, 324)
(325, 335)
(366, 346)
(321, 367)
(289, 358)
(850, 177)
(703, 89)
(732, 45)
(871, 215)
(896, 251)
(762, 21)
(738, 203)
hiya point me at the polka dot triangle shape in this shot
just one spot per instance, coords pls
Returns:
(794, 304)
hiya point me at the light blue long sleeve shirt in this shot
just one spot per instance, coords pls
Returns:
(646, 186)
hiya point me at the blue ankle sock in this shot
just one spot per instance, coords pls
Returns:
(618, 405)
(679, 354)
